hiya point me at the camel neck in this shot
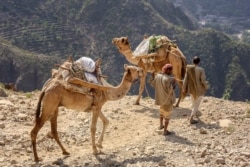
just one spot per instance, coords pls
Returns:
(128, 51)
(129, 56)
(120, 91)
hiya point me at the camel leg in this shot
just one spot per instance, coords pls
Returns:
(95, 115)
(53, 123)
(142, 86)
(180, 93)
(38, 125)
(105, 124)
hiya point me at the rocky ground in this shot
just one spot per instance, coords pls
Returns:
(221, 138)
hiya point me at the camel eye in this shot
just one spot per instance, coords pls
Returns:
(129, 72)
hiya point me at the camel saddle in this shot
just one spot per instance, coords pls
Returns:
(147, 49)
(79, 78)
(72, 77)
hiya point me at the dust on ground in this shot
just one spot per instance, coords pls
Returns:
(221, 138)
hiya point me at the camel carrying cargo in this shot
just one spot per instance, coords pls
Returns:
(56, 93)
(76, 78)
(151, 55)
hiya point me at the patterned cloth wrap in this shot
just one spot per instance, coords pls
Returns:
(78, 71)
(85, 69)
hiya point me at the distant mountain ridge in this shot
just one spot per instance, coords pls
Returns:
(230, 16)
(85, 28)
(43, 26)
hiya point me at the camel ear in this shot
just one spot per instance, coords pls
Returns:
(125, 41)
(125, 66)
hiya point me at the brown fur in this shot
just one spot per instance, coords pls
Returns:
(38, 108)
(165, 54)
(54, 95)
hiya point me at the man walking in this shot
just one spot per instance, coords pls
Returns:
(164, 84)
(195, 84)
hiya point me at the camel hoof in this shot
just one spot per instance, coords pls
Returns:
(137, 103)
(99, 145)
(96, 152)
(66, 153)
(37, 159)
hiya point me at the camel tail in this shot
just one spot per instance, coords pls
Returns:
(38, 108)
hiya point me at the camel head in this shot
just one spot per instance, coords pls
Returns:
(132, 73)
(121, 43)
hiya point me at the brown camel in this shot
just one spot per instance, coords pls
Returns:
(153, 62)
(54, 94)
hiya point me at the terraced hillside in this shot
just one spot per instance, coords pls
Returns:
(67, 27)
(86, 28)
(39, 27)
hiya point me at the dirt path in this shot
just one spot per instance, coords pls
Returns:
(221, 138)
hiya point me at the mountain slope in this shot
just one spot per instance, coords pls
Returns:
(229, 16)
(86, 28)
(28, 71)
(45, 26)
(83, 27)
(225, 62)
